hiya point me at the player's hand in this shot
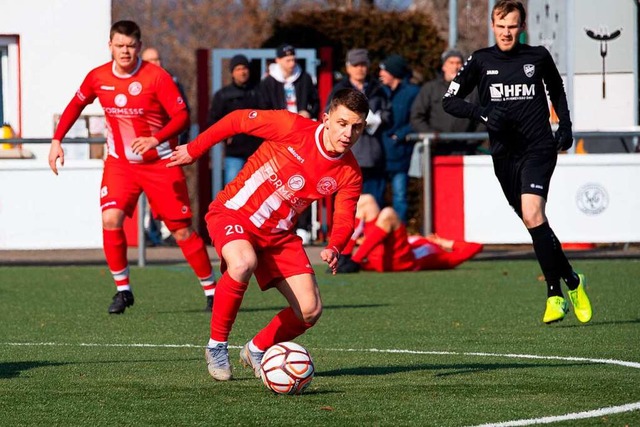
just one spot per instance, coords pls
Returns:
(55, 152)
(180, 157)
(563, 139)
(330, 256)
(142, 144)
(494, 117)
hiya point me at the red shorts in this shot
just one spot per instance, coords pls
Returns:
(280, 255)
(165, 188)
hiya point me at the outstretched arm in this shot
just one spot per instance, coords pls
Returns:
(272, 125)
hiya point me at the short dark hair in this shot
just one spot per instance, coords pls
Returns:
(353, 99)
(127, 28)
(505, 7)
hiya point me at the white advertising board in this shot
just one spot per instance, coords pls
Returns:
(39, 210)
(592, 199)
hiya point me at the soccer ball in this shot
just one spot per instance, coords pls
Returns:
(287, 368)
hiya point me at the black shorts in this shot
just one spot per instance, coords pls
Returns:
(527, 174)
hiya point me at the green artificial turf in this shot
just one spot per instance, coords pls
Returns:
(442, 348)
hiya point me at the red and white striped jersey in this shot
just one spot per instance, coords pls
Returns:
(139, 104)
(290, 170)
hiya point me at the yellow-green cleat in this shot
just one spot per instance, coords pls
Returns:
(557, 308)
(580, 301)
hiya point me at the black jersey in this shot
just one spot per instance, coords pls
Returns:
(516, 78)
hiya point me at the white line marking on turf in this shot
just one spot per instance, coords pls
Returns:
(524, 422)
(84, 344)
(574, 416)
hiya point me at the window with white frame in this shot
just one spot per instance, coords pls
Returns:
(9, 82)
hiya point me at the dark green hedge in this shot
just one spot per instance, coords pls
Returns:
(410, 34)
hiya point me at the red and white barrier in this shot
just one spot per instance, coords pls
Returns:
(593, 198)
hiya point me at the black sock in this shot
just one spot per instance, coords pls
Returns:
(550, 257)
(572, 280)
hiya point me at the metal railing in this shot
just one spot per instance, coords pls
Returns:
(427, 141)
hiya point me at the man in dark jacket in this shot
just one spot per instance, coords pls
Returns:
(240, 94)
(287, 87)
(394, 73)
(368, 151)
(427, 114)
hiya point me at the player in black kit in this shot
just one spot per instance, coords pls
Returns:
(509, 77)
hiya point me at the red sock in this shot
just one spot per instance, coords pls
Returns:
(226, 305)
(114, 243)
(285, 326)
(373, 238)
(195, 252)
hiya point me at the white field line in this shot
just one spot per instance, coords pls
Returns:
(567, 417)
(524, 422)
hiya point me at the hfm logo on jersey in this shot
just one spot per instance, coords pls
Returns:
(502, 92)
(529, 70)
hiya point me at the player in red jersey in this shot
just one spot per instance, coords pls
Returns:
(144, 113)
(251, 220)
(385, 245)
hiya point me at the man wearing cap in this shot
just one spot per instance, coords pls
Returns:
(288, 87)
(394, 73)
(239, 94)
(369, 152)
(427, 114)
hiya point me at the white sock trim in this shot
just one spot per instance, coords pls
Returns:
(213, 343)
(252, 347)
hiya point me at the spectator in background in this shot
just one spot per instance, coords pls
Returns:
(385, 246)
(368, 151)
(394, 73)
(287, 87)
(238, 95)
(156, 231)
(427, 114)
(152, 55)
(145, 114)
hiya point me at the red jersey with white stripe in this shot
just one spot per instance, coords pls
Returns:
(139, 104)
(290, 170)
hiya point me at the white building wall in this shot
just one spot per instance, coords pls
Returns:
(60, 41)
(561, 26)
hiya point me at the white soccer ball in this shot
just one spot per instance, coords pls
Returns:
(287, 368)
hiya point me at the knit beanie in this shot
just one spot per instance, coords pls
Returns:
(238, 60)
(396, 66)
